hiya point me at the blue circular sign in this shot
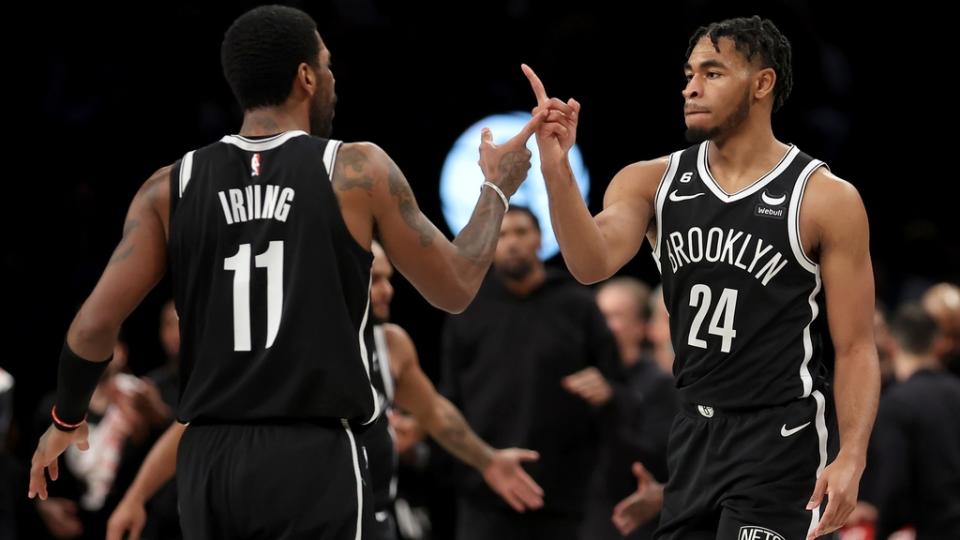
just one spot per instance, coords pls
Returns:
(460, 179)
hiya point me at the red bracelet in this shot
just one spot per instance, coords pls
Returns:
(64, 426)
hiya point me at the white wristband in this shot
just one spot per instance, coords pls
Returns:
(491, 185)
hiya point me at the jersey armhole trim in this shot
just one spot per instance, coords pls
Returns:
(793, 217)
(186, 171)
(330, 156)
(673, 163)
(173, 187)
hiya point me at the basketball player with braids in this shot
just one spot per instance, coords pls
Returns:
(764, 254)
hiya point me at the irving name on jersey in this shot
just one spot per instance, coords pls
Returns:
(256, 202)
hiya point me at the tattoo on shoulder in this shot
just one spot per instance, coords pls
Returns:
(350, 170)
(400, 190)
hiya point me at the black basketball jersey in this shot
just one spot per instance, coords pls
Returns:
(743, 297)
(380, 375)
(377, 440)
(271, 288)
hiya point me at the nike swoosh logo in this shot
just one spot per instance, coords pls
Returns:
(784, 432)
(677, 198)
(773, 201)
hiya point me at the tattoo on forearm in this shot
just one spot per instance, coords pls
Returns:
(513, 167)
(350, 171)
(457, 437)
(400, 190)
(124, 250)
(479, 238)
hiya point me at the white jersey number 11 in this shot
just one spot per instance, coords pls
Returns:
(239, 264)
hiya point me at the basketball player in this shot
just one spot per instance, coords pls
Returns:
(267, 235)
(755, 241)
(395, 373)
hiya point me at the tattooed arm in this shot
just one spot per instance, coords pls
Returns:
(137, 264)
(435, 414)
(502, 469)
(446, 273)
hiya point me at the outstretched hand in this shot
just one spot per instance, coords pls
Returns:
(640, 506)
(505, 475)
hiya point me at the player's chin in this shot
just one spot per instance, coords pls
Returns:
(700, 121)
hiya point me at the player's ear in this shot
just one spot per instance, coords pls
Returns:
(306, 78)
(764, 82)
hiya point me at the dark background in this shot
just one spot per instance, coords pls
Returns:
(104, 96)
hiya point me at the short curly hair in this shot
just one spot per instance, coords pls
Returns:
(261, 51)
(755, 36)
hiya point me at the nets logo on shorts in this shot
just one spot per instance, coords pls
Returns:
(752, 532)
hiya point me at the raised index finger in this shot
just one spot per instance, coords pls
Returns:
(538, 89)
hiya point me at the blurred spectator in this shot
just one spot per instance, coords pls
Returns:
(885, 347)
(125, 415)
(915, 448)
(658, 331)
(160, 393)
(166, 377)
(643, 410)
(942, 302)
(528, 363)
(6, 405)
(8, 470)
